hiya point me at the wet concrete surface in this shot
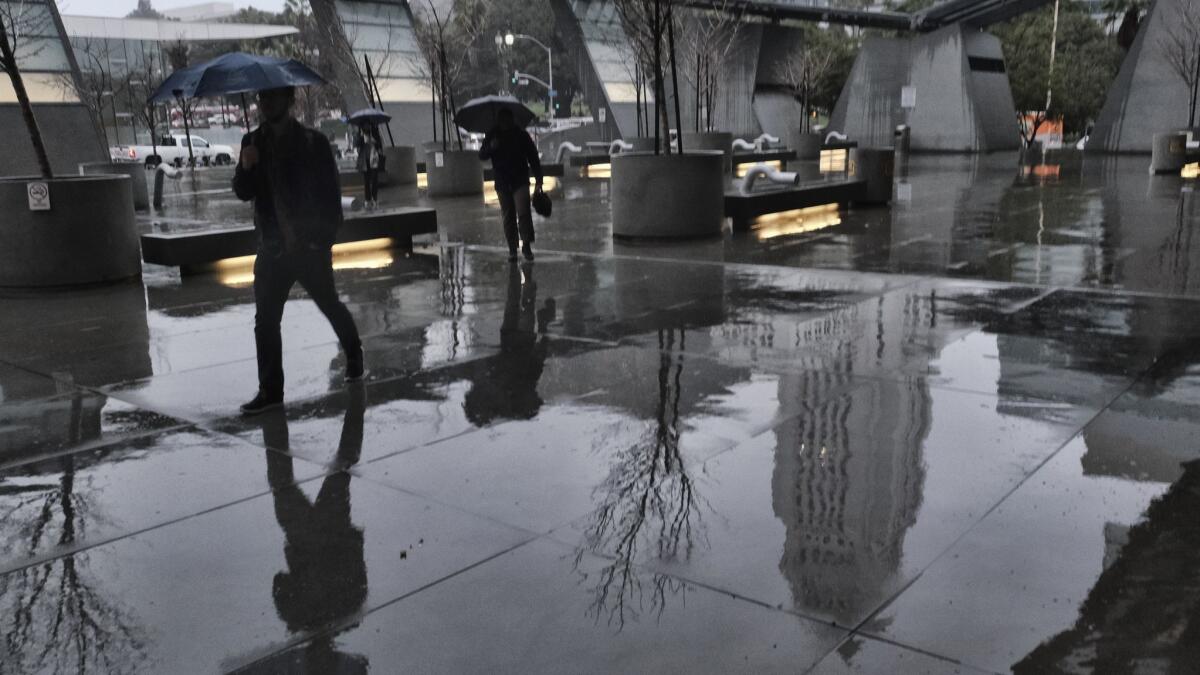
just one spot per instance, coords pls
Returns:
(956, 436)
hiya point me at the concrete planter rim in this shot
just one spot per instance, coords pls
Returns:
(685, 154)
(65, 178)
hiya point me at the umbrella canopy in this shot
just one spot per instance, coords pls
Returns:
(369, 116)
(235, 73)
(479, 114)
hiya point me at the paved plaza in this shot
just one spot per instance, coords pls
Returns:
(956, 435)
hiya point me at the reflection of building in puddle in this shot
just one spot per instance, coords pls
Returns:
(796, 221)
(1142, 610)
(352, 255)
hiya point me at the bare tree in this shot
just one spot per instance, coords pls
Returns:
(650, 28)
(445, 55)
(709, 39)
(18, 20)
(95, 82)
(802, 70)
(1180, 46)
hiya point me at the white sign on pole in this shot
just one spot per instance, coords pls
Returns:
(908, 96)
(439, 160)
(601, 114)
(39, 196)
(904, 192)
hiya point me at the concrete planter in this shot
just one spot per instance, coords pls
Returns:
(137, 175)
(876, 166)
(88, 236)
(454, 172)
(1169, 152)
(806, 144)
(400, 165)
(668, 196)
(712, 140)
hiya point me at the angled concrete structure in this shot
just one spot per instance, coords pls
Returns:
(47, 65)
(949, 86)
(1147, 97)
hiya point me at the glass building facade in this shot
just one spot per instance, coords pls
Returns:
(42, 58)
(381, 34)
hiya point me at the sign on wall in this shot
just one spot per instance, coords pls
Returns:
(908, 96)
(39, 196)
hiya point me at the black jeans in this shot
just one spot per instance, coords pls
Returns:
(515, 211)
(274, 275)
(371, 184)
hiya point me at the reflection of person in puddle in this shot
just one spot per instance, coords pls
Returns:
(326, 579)
(508, 387)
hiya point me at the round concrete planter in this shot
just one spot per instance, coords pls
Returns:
(454, 172)
(876, 166)
(88, 236)
(400, 165)
(668, 196)
(712, 140)
(806, 144)
(136, 172)
(1169, 152)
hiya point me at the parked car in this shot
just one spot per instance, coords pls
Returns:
(173, 149)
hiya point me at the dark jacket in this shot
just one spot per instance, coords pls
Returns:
(294, 183)
(513, 160)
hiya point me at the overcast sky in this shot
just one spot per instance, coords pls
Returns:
(123, 7)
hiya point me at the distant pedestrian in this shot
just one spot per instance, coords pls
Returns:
(290, 173)
(514, 156)
(369, 145)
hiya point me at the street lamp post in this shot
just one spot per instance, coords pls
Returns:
(510, 38)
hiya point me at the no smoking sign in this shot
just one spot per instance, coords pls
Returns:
(39, 196)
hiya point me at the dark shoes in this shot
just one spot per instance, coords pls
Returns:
(261, 403)
(527, 251)
(355, 368)
(512, 256)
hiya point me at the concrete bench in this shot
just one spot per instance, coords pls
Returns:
(588, 160)
(743, 209)
(557, 170)
(194, 251)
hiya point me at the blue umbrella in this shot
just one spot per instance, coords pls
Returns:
(235, 73)
(369, 116)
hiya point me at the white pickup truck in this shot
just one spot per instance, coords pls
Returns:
(173, 149)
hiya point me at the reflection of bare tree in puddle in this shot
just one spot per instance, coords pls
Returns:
(55, 621)
(647, 495)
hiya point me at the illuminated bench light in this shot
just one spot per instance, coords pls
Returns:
(796, 221)
(351, 255)
(743, 168)
(834, 160)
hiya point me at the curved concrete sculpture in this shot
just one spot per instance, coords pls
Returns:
(87, 235)
(770, 173)
(619, 145)
(564, 148)
(834, 134)
(679, 196)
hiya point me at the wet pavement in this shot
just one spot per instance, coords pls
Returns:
(959, 435)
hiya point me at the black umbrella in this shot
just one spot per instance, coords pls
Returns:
(479, 114)
(235, 73)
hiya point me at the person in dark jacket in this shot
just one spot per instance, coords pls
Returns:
(369, 146)
(289, 172)
(514, 155)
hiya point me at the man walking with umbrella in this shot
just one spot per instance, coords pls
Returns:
(514, 155)
(289, 172)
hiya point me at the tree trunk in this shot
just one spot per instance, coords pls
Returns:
(674, 74)
(18, 84)
(659, 111)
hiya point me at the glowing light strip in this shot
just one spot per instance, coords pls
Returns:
(351, 255)
(796, 221)
(743, 168)
(489, 189)
(1191, 170)
(597, 171)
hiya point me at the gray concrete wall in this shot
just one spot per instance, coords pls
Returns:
(1147, 97)
(958, 109)
(67, 131)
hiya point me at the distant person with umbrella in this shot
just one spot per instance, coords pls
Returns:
(289, 172)
(369, 146)
(514, 156)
